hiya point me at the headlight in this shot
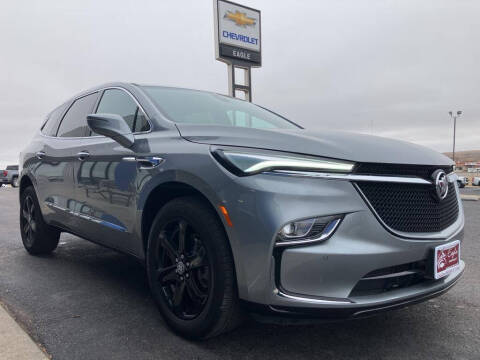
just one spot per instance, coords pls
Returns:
(308, 230)
(243, 163)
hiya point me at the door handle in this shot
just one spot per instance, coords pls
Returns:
(147, 162)
(40, 155)
(82, 155)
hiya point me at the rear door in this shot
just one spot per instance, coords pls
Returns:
(105, 178)
(54, 170)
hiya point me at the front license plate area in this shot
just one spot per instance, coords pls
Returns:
(446, 259)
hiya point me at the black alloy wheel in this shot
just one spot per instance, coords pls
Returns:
(37, 236)
(182, 269)
(28, 223)
(191, 270)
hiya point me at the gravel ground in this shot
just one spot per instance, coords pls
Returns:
(87, 302)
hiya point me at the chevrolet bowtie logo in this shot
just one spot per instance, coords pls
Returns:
(241, 19)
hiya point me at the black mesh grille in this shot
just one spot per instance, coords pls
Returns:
(423, 171)
(411, 208)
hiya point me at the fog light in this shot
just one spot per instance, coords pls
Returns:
(297, 229)
(308, 230)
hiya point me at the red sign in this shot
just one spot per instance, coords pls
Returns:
(447, 259)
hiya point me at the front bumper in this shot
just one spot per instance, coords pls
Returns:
(352, 308)
(319, 279)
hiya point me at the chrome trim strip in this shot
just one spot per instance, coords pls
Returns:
(58, 207)
(382, 305)
(312, 300)
(154, 161)
(322, 237)
(353, 177)
(414, 299)
(87, 217)
(388, 276)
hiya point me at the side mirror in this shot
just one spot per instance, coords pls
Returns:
(113, 126)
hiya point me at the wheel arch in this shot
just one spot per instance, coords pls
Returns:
(161, 194)
(25, 182)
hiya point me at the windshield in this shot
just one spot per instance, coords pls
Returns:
(199, 107)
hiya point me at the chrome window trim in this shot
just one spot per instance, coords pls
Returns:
(100, 136)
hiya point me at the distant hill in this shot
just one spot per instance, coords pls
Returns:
(469, 155)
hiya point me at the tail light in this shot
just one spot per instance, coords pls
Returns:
(5, 173)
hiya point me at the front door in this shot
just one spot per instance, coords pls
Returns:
(105, 177)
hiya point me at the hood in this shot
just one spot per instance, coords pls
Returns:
(331, 144)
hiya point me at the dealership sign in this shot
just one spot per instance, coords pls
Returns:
(237, 34)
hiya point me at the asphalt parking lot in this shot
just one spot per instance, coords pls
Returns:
(88, 302)
(471, 190)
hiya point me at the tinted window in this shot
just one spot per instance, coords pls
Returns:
(51, 125)
(74, 123)
(116, 101)
(12, 167)
(198, 107)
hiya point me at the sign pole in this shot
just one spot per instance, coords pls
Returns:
(232, 84)
(237, 43)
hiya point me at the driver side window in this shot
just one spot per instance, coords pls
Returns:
(116, 101)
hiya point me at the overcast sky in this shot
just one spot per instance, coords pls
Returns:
(392, 68)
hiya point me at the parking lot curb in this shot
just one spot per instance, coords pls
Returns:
(15, 344)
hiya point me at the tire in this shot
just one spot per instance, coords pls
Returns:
(194, 284)
(15, 182)
(38, 238)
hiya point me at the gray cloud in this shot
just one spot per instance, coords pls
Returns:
(393, 68)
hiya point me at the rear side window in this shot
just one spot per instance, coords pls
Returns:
(51, 125)
(116, 101)
(12, 167)
(74, 123)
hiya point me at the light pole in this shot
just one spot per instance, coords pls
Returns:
(454, 117)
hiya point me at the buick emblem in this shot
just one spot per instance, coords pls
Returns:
(180, 268)
(441, 184)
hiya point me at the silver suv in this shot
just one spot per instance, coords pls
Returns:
(233, 208)
(9, 176)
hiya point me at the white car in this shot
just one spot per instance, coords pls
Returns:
(476, 181)
(462, 181)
